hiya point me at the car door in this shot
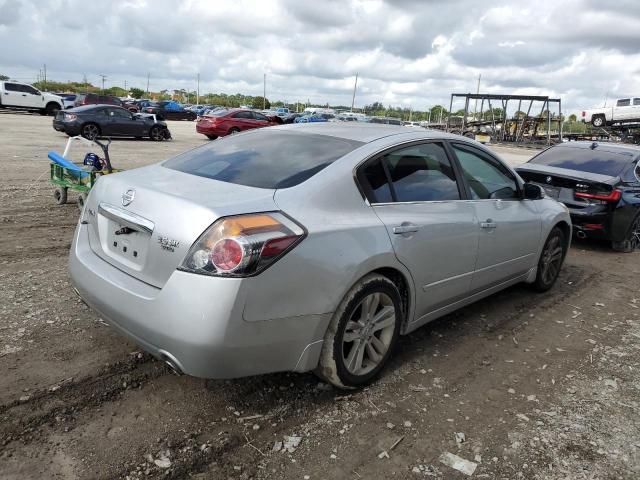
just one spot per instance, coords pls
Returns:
(31, 97)
(122, 123)
(415, 192)
(13, 95)
(243, 120)
(260, 120)
(635, 109)
(622, 110)
(509, 227)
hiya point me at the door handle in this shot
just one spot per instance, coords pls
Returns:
(400, 229)
(488, 224)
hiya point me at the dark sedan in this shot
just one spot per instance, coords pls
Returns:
(599, 184)
(93, 121)
(159, 108)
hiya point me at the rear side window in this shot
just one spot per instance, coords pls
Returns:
(264, 158)
(419, 173)
(624, 102)
(243, 115)
(636, 101)
(585, 160)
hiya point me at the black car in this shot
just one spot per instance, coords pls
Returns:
(158, 108)
(92, 121)
(600, 185)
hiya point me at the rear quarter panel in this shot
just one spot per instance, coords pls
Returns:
(345, 241)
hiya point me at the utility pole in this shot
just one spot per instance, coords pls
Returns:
(125, 87)
(103, 76)
(353, 98)
(45, 77)
(475, 105)
(148, 75)
(198, 91)
(264, 92)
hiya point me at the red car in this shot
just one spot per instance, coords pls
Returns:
(226, 122)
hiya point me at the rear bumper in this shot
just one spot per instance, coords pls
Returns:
(210, 130)
(591, 225)
(65, 127)
(195, 321)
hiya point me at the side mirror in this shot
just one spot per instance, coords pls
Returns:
(532, 192)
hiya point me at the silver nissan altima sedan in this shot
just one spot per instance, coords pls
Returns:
(308, 247)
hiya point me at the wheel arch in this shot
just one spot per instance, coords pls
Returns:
(403, 285)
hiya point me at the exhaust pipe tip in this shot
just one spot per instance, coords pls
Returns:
(580, 234)
(171, 363)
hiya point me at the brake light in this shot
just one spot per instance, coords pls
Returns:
(242, 245)
(613, 196)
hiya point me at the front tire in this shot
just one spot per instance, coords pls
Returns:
(51, 109)
(82, 200)
(551, 259)
(211, 137)
(156, 134)
(60, 195)
(632, 240)
(233, 131)
(362, 333)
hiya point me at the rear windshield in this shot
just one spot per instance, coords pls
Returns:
(585, 160)
(264, 158)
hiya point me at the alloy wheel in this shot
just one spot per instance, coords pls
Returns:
(634, 236)
(368, 333)
(90, 132)
(551, 259)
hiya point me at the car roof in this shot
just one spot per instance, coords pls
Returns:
(362, 132)
(94, 106)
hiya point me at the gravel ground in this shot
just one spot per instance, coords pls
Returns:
(519, 385)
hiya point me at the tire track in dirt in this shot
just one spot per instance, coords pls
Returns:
(21, 419)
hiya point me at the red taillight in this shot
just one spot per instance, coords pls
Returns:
(227, 254)
(242, 245)
(613, 196)
(276, 246)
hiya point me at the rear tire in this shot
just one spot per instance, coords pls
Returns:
(598, 121)
(551, 259)
(632, 240)
(362, 334)
(60, 195)
(90, 131)
(211, 137)
(82, 200)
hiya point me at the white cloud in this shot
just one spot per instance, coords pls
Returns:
(406, 52)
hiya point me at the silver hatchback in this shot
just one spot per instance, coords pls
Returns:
(308, 247)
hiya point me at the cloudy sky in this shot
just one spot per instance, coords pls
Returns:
(407, 52)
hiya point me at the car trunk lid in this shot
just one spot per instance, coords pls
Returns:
(574, 188)
(144, 221)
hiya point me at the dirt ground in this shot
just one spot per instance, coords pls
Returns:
(524, 385)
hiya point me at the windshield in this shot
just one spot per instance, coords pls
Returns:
(264, 158)
(598, 161)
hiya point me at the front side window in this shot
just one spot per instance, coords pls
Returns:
(118, 113)
(12, 87)
(636, 101)
(259, 116)
(487, 179)
(420, 173)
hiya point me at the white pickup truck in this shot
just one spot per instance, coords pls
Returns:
(21, 96)
(625, 110)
